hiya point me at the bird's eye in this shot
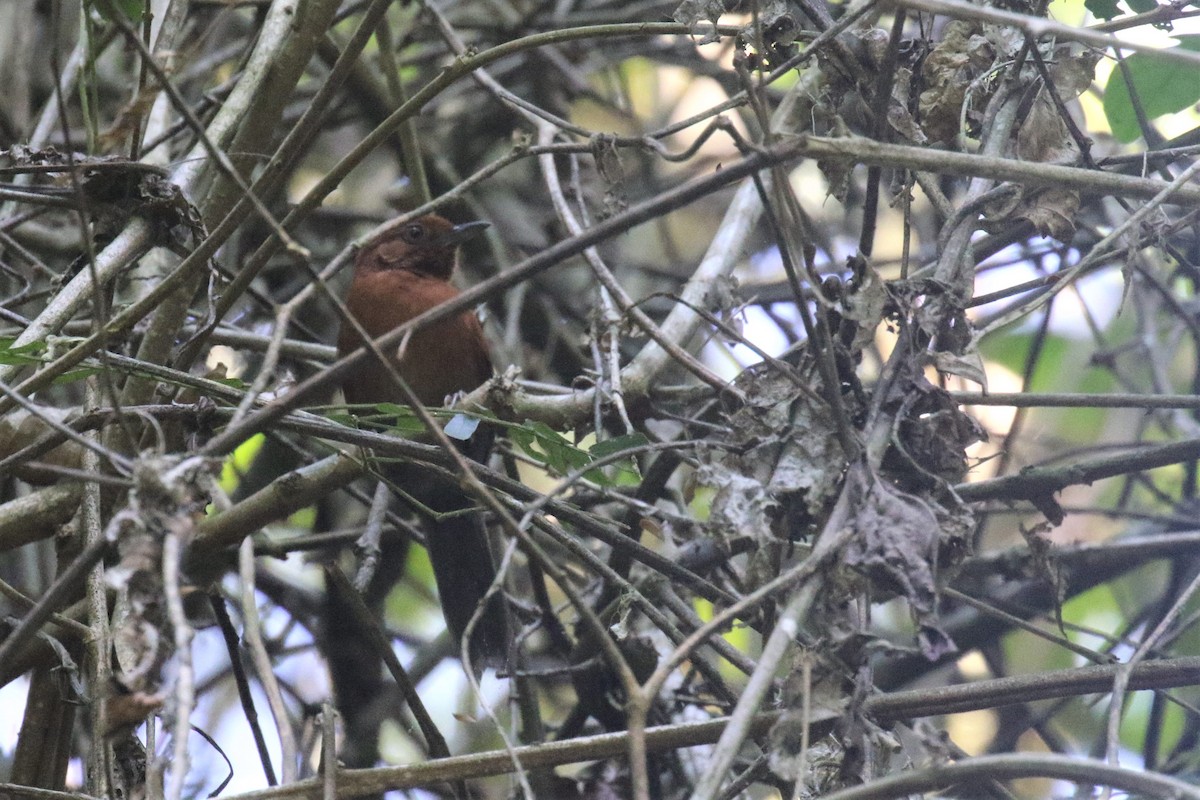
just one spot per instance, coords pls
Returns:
(414, 233)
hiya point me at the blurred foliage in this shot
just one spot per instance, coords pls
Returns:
(1161, 87)
(832, 282)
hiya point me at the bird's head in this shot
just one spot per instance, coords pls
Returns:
(427, 245)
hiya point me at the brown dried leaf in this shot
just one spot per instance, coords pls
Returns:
(968, 365)
(1052, 213)
(695, 12)
(865, 306)
(948, 71)
(1072, 69)
(1044, 136)
(895, 544)
(168, 496)
(932, 436)
(20, 429)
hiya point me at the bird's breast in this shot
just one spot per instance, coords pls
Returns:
(441, 359)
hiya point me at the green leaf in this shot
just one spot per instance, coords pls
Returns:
(342, 418)
(556, 450)
(624, 472)
(232, 383)
(404, 419)
(523, 439)
(77, 374)
(35, 353)
(559, 456)
(19, 356)
(393, 408)
(132, 10)
(1142, 6)
(549, 448)
(1163, 87)
(617, 444)
(238, 462)
(1102, 9)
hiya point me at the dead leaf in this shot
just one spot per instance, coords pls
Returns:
(895, 543)
(948, 71)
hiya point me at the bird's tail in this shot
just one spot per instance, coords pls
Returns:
(464, 568)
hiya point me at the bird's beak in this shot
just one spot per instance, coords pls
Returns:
(461, 233)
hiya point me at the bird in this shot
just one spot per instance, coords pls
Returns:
(398, 276)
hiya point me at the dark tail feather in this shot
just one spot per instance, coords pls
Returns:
(464, 568)
(358, 684)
